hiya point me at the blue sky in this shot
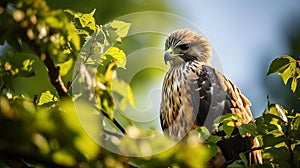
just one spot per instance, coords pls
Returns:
(247, 36)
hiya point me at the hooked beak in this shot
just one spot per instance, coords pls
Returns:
(168, 55)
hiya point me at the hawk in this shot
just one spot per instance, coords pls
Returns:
(194, 94)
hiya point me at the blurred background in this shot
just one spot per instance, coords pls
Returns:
(246, 37)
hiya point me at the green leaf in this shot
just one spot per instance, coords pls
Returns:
(117, 55)
(271, 140)
(122, 28)
(203, 133)
(213, 149)
(47, 97)
(54, 22)
(279, 111)
(65, 67)
(227, 117)
(228, 127)
(243, 158)
(280, 64)
(125, 93)
(246, 128)
(296, 126)
(288, 72)
(83, 22)
(294, 84)
(64, 158)
(115, 30)
(213, 139)
(287, 67)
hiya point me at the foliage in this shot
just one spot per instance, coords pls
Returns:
(288, 68)
(277, 129)
(54, 63)
(57, 65)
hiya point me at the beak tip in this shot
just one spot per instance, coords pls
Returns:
(167, 57)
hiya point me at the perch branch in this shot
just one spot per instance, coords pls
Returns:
(246, 152)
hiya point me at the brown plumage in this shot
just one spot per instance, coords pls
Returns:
(194, 94)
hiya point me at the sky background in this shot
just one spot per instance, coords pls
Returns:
(247, 36)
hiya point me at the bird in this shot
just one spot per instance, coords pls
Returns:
(194, 94)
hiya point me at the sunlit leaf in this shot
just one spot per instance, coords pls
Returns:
(83, 20)
(54, 22)
(227, 117)
(280, 64)
(278, 110)
(125, 92)
(121, 27)
(64, 158)
(116, 54)
(47, 97)
(65, 67)
(115, 31)
(287, 67)
(288, 72)
(27, 65)
(294, 84)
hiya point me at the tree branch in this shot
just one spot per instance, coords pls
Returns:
(114, 121)
(55, 78)
(246, 152)
(112, 134)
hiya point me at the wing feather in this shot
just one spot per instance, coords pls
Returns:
(218, 96)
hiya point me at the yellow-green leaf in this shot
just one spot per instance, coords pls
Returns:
(228, 127)
(47, 97)
(121, 27)
(64, 158)
(125, 93)
(83, 20)
(280, 64)
(118, 55)
(65, 67)
(288, 72)
(294, 84)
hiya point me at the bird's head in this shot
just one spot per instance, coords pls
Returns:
(184, 46)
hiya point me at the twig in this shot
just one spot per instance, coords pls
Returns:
(84, 60)
(114, 121)
(55, 78)
(119, 136)
(246, 152)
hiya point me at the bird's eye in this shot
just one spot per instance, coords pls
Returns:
(184, 46)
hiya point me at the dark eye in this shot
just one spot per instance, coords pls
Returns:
(184, 46)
